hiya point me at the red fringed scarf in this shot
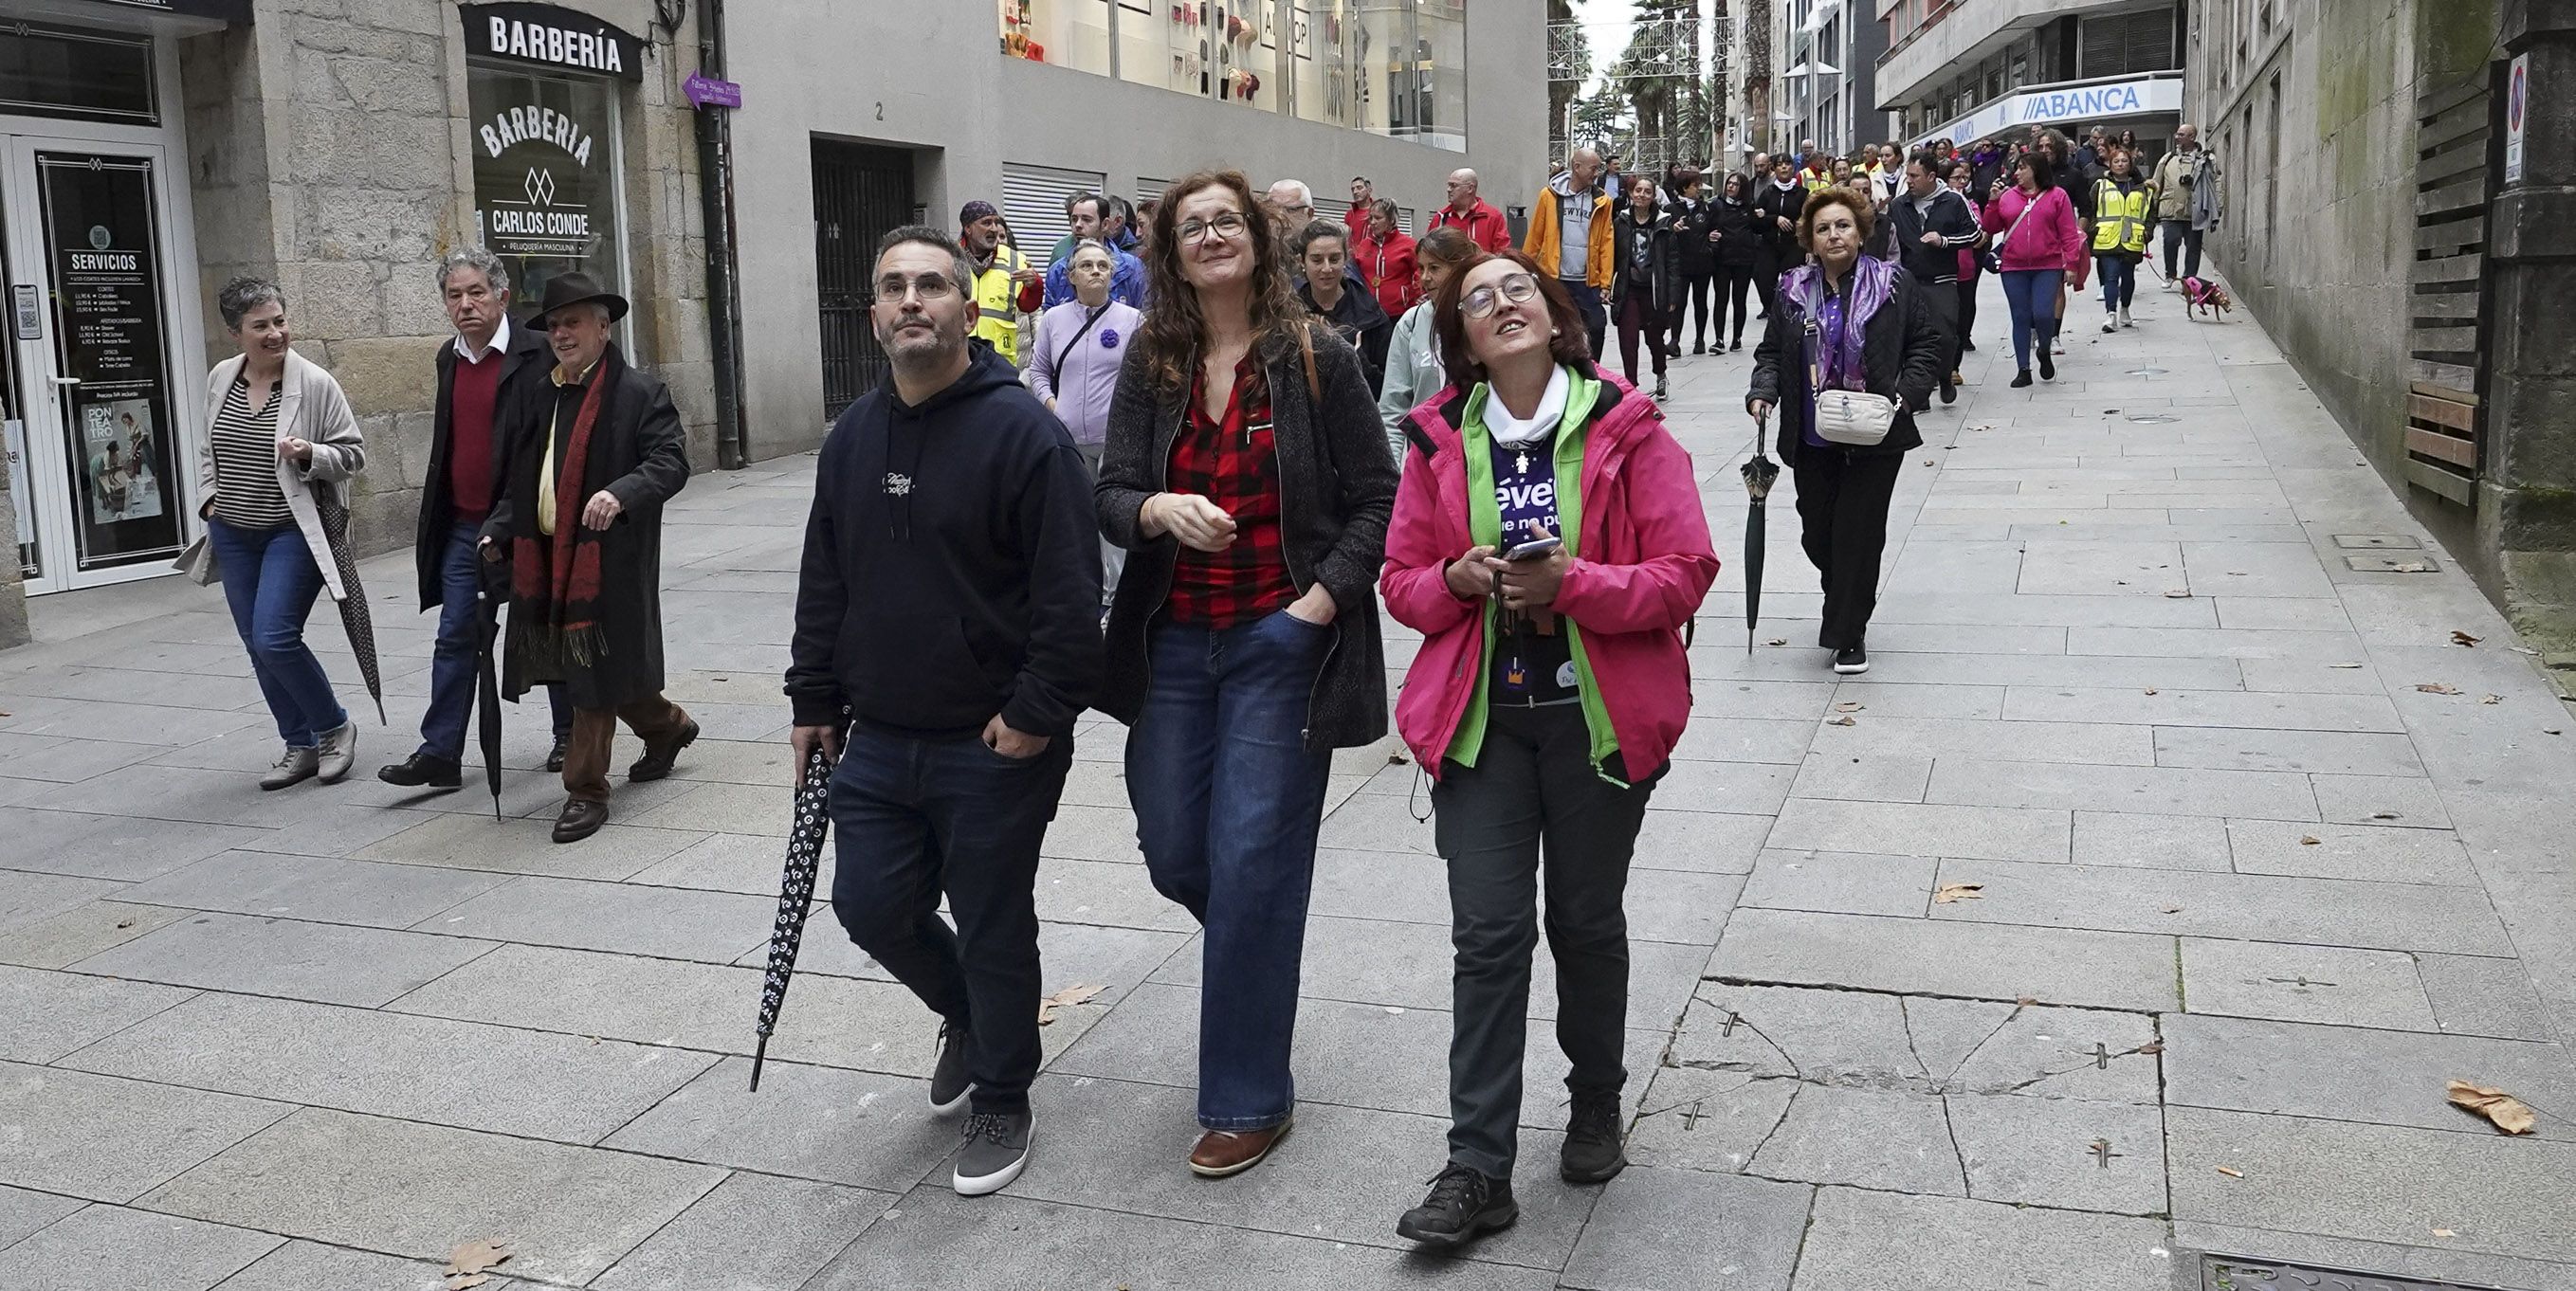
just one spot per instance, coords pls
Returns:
(559, 576)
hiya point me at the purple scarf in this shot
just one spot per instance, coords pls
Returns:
(1872, 283)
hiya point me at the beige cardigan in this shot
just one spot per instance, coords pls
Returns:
(310, 407)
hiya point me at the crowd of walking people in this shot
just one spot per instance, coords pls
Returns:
(1235, 432)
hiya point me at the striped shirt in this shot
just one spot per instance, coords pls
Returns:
(246, 491)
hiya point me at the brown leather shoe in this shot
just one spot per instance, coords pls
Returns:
(1222, 1153)
(659, 758)
(581, 818)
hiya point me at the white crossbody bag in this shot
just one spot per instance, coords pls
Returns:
(1852, 418)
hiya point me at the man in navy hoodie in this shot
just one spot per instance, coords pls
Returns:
(948, 620)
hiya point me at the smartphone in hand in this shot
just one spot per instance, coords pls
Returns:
(1534, 549)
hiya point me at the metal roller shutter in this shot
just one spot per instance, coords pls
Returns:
(1149, 189)
(1033, 201)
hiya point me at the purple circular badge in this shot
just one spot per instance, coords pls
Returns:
(1109, 338)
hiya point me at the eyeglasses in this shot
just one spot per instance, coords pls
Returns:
(928, 286)
(1228, 226)
(1519, 289)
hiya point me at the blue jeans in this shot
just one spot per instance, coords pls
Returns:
(451, 670)
(914, 818)
(1228, 800)
(270, 581)
(2031, 294)
(2119, 280)
(1596, 318)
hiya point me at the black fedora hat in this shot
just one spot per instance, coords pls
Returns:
(565, 290)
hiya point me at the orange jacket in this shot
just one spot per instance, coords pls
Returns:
(1544, 246)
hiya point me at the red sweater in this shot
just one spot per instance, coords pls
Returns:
(475, 388)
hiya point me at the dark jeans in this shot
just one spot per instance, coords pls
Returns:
(1732, 282)
(2031, 294)
(1693, 307)
(1532, 784)
(270, 582)
(1842, 522)
(915, 818)
(2180, 233)
(1587, 302)
(1228, 800)
(1942, 303)
(451, 669)
(2119, 280)
(1637, 314)
(1967, 317)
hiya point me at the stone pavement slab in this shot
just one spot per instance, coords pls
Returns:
(352, 1025)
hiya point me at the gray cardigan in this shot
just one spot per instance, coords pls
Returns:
(1336, 493)
(310, 407)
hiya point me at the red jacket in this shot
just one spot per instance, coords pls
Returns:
(1391, 269)
(1646, 565)
(1482, 224)
(1356, 220)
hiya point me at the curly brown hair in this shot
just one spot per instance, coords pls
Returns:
(1863, 218)
(1568, 347)
(1169, 340)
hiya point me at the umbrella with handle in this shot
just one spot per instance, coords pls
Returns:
(795, 894)
(1759, 475)
(487, 688)
(354, 617)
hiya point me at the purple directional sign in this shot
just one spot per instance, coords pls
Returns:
(705, 93)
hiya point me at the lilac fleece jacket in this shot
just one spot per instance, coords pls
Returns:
(1081, 382)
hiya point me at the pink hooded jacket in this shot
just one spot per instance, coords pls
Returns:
(1646, 564)
(2049, 239)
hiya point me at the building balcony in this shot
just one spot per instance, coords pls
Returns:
(1959, 35)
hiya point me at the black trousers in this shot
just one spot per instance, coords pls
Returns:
(915, 818)
(1692, 306)
(1638, 314)
(1532, 787)
(1842, 522)
(1943, 303)
(1732, 282)
(1967, 317)
(1766, 280)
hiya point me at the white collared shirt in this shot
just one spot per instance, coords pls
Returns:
(500, 342)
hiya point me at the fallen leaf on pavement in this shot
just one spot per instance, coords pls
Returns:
(2549, 730)
(2444, 1232)
(1952, 892)
(468, 1283)
(1844, 720)
(2343, 665)
(2412, 567)
(124, 923)
(479, 1255)
(2173, 909)
(2154, 1047)
(2026, 1001)
(2151, 690)
(2504, 1111)
(2492, 699)
(1075, 994)
(2231, 1172)
(2308, 840)
(2383, 815)
(2178, 594)
(2437, 688)
(1850, 706)
(1777, 641)
(2459, 638)
(1397, 759)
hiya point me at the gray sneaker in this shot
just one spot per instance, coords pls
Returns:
(948, 1080)
(992, 1151)
(338, 753)
(295, 766)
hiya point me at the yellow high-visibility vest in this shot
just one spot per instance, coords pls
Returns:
(2120, 219)
(997, 315)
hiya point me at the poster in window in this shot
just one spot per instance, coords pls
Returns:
(109, 331)
(545, 178)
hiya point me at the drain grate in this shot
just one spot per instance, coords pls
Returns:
(2238, 1273)
(2377, 540)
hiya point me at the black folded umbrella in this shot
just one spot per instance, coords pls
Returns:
(795, 896)
(1759, 475)
(487, 689)
(355, 620)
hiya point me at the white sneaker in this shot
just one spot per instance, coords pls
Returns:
(2124, 317)
(2110, 322)
(338, 752)
(2171, 285)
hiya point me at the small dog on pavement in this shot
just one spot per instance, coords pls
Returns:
(2202, 293)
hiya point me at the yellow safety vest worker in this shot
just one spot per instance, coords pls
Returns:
(2120, 219)
(997, 315)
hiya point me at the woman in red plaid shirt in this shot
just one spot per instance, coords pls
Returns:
(1247, 475)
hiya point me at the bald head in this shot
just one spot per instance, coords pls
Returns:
(1462, 189)
(1585, 165)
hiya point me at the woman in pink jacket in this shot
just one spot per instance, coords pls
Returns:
(1549, 545)
(2038, 242)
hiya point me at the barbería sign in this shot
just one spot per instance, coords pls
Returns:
(552, 36)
